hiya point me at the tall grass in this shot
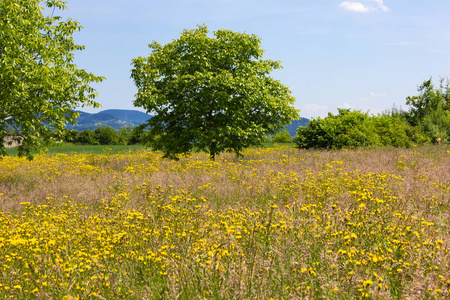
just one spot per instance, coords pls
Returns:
(279, 223)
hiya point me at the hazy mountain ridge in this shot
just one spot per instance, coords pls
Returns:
(292, 128)
(117, 118)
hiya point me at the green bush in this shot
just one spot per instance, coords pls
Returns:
(436, 125)
(125, 135)
(138, 135)
(394, 131)
(357, 129)
(86, 137)
(106, 135)
(282, 136)
(70, 135)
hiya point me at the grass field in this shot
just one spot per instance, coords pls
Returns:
(280, 223)
(98, 149)
(82, 149)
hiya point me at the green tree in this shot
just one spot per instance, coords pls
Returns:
(430, 99)
(282, 136)
(138, 135)
(430, 110)
(395, 131)
(86, 137)
(124, 134)
(106, 135)
(213, 94)
(436, 124)
(70, 135)
(39, 83)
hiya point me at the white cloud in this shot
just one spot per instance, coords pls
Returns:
(347, 106)
(362, 8)
(382, 6)
(372, 94)
(354, 6)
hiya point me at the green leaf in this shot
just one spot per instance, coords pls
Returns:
(38, 82)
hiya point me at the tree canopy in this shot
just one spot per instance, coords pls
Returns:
(210, 94)
(39, 83)
(430, 110)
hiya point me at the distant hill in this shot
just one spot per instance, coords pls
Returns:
(296, 124)
(117, 118)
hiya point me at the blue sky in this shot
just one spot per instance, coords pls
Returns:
(362, 54)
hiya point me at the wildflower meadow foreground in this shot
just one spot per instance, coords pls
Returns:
(279, 223)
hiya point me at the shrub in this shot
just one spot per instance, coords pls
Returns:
(106, 135)
(70, 135)
(138, 135)
(436, 125)
(282, 136)
(430, 110)
(124, 135)
(357, 129)
(86, 137)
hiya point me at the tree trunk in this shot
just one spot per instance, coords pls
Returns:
(212, 151)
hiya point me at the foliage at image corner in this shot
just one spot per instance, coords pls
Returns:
(354, 128)
(213, 94)
(40, 86)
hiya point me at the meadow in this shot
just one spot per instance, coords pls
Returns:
(279, 223)
(70, 149)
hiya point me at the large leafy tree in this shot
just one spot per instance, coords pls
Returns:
(39, 83)
(211, 94)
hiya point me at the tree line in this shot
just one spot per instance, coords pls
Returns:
(426, 121)
(104, 135)
(127, 135)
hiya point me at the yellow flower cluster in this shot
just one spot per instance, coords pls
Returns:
(279, 223)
